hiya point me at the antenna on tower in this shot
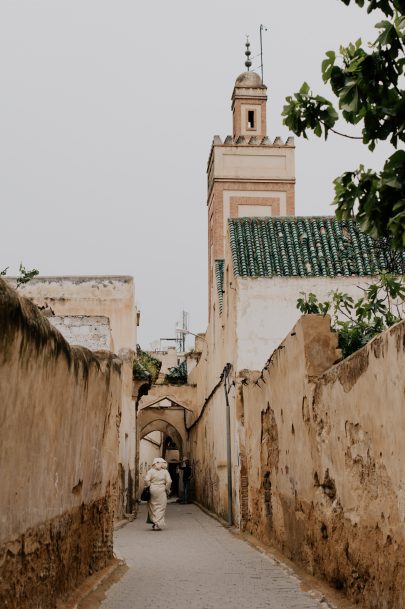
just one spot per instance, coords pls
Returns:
(262, 27)
(182, 331)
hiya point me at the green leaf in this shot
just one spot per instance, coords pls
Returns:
(368, 84)
(318, 130)
(349, 98)
(304, 89)
(26, 275)
(327, 65)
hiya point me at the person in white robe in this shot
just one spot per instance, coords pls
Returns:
(160, 482)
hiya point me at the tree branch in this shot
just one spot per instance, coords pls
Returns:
(351, 137)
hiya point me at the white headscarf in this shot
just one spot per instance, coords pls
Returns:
(158, 460)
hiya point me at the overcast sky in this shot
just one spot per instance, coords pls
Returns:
(107, 113)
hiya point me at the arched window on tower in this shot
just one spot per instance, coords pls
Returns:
(251, 119)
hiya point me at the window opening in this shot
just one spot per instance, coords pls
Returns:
(251, 119)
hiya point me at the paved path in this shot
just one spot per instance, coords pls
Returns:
(197, 564)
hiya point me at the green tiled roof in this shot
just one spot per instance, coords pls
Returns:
(305, 247)
(219, 274)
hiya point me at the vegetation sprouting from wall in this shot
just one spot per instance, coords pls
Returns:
(25, 274)
(356, 322)
(146, 366)
(177, 375)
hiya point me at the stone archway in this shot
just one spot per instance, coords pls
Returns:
(181, 395)
(167, 429)
(171, 447)
(163, 413)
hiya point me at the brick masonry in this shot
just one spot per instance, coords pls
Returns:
(92, 332)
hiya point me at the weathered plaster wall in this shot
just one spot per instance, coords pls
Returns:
(256, 315)
(59, 420)
(325, 459)
(207, 437)
(92, 332)
(110, 296)
(266, 310)
(182, 395)
(84, 307)
(150, 448)
(209, 458)
(126, 495)
(169, 359)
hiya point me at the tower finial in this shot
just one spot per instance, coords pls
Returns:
(248, 63)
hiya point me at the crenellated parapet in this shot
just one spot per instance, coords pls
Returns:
(251, 158)
(252, 140)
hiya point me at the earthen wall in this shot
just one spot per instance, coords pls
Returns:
(60, 409)
(325, 459)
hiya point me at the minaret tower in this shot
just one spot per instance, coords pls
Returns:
(248, 175)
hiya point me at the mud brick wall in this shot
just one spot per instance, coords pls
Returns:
(325, 456)
(60, 410)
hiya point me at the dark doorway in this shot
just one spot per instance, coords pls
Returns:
(173, 467)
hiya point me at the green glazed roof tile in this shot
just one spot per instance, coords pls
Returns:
(219, 275)
(305, 247)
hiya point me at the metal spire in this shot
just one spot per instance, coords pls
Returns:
(248, 53)
(262, 27)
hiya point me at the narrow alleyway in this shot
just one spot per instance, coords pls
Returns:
(197, 564)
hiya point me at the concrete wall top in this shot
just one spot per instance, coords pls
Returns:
(110, 296)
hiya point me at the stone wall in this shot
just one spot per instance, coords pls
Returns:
(59, 422)
(90, 331)
(325, 459)
(109, 296)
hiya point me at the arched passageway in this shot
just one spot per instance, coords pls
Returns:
(162, 432)
(159, 438)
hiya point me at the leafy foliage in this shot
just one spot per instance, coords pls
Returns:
(177, 375)
(367, 83)
(356, 322)
(25, 275)
(146, 365)
(140, 373)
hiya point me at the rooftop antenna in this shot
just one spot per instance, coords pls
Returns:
(248, 53)
(182, 331)
(262, 27)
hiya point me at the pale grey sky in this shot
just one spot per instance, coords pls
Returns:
(107, 112)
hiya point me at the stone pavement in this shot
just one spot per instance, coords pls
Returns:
(197, 564)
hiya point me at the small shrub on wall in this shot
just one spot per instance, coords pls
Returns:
(358, 321)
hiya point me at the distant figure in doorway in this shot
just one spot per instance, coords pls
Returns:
(160, 482)
(187, 475)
